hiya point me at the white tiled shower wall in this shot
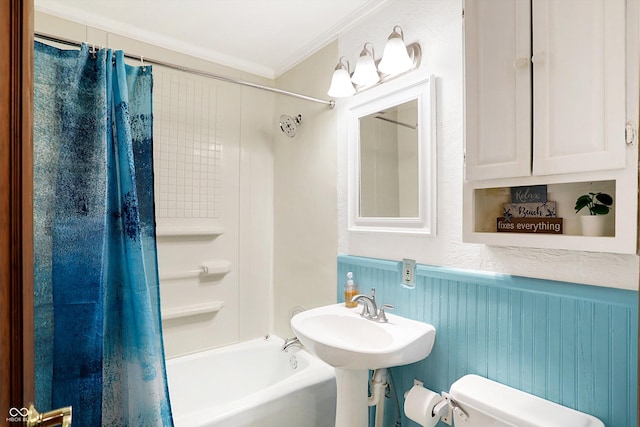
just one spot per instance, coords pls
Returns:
(187, 154)
(197, 137)
(213, 158)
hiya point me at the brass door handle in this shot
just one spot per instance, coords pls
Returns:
(56, 417)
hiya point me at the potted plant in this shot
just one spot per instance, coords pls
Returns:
(598, 205)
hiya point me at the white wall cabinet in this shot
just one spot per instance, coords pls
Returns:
(578, 61)
(550, 88)
(497, 52)
(545, 87)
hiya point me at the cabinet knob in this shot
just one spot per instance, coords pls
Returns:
(521, 63)
(539, 58)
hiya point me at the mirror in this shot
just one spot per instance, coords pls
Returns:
(389, 162)
(392, 161)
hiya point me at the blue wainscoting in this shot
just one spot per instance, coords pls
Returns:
(573, 344)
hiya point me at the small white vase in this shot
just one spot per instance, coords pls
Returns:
(593, 225)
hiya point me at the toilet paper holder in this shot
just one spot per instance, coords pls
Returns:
(442, 409)
(445, 408)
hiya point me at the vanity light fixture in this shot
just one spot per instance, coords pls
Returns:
(341, 85)
(397, 59)
(366, 73)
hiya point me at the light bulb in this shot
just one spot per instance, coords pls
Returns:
(341, 85)
(366, 73)
(395, 58)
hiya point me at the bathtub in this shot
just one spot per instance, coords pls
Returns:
(252, 384)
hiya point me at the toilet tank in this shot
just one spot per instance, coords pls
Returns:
(488, 403)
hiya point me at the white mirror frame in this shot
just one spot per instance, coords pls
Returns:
(425, 223)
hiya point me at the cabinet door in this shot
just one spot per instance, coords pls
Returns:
(579, 85)
(497, 52)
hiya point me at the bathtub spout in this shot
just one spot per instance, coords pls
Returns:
(288, 342)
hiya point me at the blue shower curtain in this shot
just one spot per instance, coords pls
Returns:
(97, 309)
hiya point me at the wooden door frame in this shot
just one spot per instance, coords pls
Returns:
(16, 206)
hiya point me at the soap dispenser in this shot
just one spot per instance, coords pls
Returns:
(350, 291)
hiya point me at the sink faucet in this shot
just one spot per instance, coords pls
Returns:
(370, 308)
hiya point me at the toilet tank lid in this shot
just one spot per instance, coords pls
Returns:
(514, 406)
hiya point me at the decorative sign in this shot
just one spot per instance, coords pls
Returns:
(530, 225)
(529, 210)
(529, 194)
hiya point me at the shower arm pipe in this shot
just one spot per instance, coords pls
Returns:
(331, 103)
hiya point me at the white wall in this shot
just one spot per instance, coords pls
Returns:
(437, 25)
(305, 193)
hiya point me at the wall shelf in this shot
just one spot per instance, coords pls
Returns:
(177, 230)
(484, 204)
(207, 269)
(192, 310)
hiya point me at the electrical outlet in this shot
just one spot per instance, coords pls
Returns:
(408, 272)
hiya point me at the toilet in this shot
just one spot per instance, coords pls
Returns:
(484, 403)
(474, 401)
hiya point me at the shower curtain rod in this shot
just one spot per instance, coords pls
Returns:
(331, 103)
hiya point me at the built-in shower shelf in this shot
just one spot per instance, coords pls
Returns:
(188, 230)
(212, 268)
(192, 310)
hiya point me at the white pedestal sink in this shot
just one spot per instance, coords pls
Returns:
(353, 345)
